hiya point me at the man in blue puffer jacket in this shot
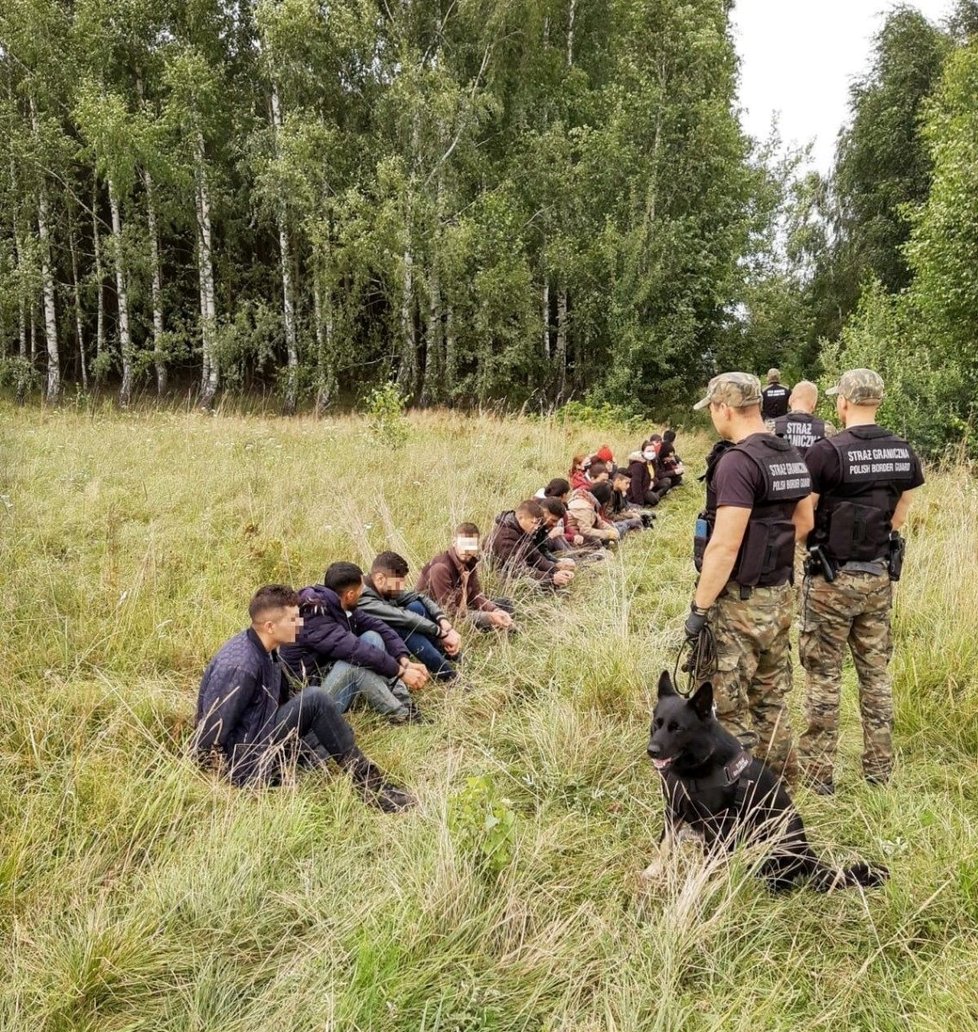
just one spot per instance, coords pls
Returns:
(249, 728)
(350, 653)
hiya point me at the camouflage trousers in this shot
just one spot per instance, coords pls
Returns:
(853, 610)
(753, 676)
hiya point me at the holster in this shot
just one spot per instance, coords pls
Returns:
(818, 564)
(894, 562)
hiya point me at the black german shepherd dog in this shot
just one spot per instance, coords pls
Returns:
(724, 795)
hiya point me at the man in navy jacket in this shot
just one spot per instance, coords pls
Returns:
(251, 729)
(351, 653)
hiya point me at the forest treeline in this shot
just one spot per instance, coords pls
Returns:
(484, 199)
(512, 200)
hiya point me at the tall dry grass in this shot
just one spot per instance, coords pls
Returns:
(136, 894)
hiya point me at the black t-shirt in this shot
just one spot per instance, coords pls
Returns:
(774, 401)
(738, 482)
(822, 461)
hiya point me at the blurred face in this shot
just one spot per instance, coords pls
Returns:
(602, 478)
(387, 585)
(549, 520)
(280, 625)
(527, 522)
(350, 597)
(467, 548)
(621, 483)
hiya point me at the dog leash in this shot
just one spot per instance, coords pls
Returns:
(701, 663)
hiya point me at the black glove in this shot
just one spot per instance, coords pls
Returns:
(695, 623)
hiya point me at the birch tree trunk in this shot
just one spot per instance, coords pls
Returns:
(47, 279)
(451, 368)
(288, 298)
(156, 284)
(122, 296)
(99, 280)
(79, 321)
(33, 334)
(408, 373)
(431, 384)
(322, 308)
(210, 376)
(561, 342)
(545, 312)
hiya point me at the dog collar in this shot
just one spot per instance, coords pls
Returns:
(736, 767)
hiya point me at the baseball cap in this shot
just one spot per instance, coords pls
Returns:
(859, 386)
(738, 390)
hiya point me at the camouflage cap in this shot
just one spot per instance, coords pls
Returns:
(738, 390)
(774, 375)
(859, 386)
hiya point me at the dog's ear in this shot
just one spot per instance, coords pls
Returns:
(665, 685)
(702, 700)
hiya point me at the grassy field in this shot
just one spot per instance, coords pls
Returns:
(136, 894)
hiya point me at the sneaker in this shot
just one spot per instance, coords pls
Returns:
(879, 780)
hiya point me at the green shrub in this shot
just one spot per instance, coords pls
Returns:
(483, 823)
(385, 407)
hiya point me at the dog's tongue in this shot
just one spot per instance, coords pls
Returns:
(662, 764)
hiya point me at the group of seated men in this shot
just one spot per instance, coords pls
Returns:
(275, 694)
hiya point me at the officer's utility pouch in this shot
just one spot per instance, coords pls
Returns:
(701, 538)
(856, 532)
(768, 545)
(894, 563)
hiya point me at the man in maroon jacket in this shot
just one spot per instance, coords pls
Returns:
(452, 581)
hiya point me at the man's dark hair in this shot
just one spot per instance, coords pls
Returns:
(270, 597)
(597, 468)
(390, 564)
(669, 436)
(341, 576)
(655, 437)
(554, 506)
(467, 530)
(531, 507)
(557, 488)
(602, 492)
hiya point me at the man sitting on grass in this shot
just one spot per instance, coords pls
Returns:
(418, 619)
(513, 547)
(452, 581)
(352, 654)
(247, 724)
(618, 511)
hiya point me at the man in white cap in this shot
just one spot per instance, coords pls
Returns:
(757, 506)
(862, 482)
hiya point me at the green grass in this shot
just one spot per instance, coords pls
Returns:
(136, 894)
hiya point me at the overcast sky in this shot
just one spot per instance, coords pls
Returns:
(798, 58)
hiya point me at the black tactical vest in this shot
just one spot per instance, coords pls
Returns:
(853, 521)
(774, 401)
(800, 429)
(766, 555)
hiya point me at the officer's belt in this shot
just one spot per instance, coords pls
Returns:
(745, 591)
(877, 567)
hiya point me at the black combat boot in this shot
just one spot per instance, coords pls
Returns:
(372, 784)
